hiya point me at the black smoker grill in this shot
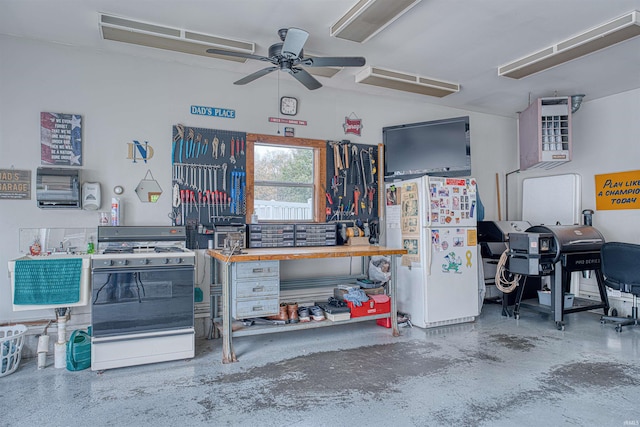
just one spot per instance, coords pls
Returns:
(572, 248)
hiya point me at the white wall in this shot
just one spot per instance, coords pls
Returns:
(125, 98)
(605, 140)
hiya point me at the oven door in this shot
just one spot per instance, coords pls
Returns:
(138, 300)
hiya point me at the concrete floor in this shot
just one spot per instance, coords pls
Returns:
(496, 371)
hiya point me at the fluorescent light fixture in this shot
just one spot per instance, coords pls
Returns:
(368, 17)
(406, 82)
(600, 37)
(161, 37)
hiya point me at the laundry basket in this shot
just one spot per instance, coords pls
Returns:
(11, 339)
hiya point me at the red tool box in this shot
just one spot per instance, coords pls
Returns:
(377, 304)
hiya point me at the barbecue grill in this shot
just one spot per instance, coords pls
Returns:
(559, 250)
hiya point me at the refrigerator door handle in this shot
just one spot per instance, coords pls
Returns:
(429, 251)
(427, 197)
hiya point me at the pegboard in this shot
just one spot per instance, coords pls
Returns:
(208, 179)
(352, 182)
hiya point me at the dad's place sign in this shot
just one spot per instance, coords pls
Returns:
(213, 112)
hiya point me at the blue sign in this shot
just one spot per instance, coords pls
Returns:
(213, 111)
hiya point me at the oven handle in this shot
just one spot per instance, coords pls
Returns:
(140, 269)
(130, 337)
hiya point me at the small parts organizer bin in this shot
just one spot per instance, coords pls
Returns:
(11, 339)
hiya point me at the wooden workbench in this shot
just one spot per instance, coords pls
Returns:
(225, 263)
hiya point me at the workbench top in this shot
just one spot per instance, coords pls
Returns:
(281, 254)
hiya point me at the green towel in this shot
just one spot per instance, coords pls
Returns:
(47, 281)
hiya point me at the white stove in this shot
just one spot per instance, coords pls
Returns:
(142, 304)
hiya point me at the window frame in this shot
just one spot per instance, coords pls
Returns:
(319, 147)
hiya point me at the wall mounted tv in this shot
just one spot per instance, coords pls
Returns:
(439, 148)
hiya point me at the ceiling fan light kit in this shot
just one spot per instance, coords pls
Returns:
(396, 80)
(127, 30)
(600, 37)
(368, 17)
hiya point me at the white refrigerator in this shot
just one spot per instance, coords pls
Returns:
(434, 218)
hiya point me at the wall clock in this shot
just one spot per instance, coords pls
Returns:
(288, 106)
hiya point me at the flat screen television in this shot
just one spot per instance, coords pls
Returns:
(438, 148)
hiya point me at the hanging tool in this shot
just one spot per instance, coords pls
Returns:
(356, 198)
(372, 166)
(345, 152)
(364, 175)
(198, 145)
(179, 137)
(183, 201)
(180, 134)
(224, 177)
(371, 191)
(190, 137)
(329, 199)
(215, 144)
(243, 190)
(355, 173)
(232, 158)
(242, 146)
(205, 147)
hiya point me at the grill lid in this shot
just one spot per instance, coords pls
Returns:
(572, 238)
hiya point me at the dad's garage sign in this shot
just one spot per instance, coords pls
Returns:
(15, 184)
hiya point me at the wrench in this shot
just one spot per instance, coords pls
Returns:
(232, 159)
(224, 177)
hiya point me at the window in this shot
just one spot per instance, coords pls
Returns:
(285, 178)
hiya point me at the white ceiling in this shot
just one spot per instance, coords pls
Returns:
(461, 41)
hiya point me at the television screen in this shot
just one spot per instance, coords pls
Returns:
(439, 148)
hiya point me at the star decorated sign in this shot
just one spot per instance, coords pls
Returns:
(60, 139)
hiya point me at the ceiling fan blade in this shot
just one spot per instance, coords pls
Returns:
(294, 42)
(305, 78)
(334, 61)
(237, 54)
(256, 75)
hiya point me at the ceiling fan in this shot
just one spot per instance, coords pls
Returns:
(288, 56)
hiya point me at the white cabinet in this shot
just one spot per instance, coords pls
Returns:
(255, 289)
(545, 133)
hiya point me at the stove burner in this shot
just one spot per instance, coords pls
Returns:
(118, 250)
(167, 249)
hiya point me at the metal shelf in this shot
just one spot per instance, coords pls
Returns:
(272, 329)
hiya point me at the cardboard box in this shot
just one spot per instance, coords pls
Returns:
(377, 304)
(544, 298)
(358, 241)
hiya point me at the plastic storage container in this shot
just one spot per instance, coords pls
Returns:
(544, 298)
(11, 339)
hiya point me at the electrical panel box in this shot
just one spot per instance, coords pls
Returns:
(545, 133)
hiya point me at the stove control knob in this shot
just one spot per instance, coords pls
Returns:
(165, 261)
(125, 262)
(144, 261)
(179, 260)
(108, 262)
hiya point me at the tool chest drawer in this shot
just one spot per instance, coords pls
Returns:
(255, 270)
(243, 309)
(256, 288)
